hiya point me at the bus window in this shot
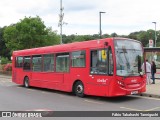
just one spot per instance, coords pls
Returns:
(78, 59)
(62, 62)
(99, 62)
(48, 62)
(37, 63)
(19, 62)
(27, 63)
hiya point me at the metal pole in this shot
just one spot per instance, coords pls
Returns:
(100, 31)
(61, 18)
(155, 33)
(155, 36)
(61, 23)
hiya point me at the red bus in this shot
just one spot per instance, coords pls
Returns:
(105, 67)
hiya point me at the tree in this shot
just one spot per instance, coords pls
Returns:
(133, 35)
(106, 35)
(114, 35)
(143, 37)
(4, 52)
(29, 33)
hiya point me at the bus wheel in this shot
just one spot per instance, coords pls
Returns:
(79, 89)
(26, 82)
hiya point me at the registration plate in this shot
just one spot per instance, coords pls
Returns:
(134, 92)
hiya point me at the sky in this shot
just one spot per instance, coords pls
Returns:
(82, 16)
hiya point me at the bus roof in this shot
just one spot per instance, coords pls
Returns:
(93, 44)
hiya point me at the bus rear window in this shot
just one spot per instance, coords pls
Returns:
(19, 62)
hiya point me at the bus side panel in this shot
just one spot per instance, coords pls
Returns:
(36, 79)
(79, 74)
(51, 80)
(56, 81)
(91, 86)
(46, 80)
(16, 76)
(96, 90)
(20, 77)
(67, 83)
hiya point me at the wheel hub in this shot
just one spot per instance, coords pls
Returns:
(79, 88)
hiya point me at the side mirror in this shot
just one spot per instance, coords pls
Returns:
(141, 73)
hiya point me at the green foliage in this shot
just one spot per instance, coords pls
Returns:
(29, 33)
(4, 51)
(143, 37)
(4, 60)
(133, 35)
(78, 38)
(114, 35)
(105, 36)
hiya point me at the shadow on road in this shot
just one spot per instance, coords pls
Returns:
(119, 99)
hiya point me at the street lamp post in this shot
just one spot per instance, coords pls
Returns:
(61, 23)
(155, 33)
(61, 15)
(100, 31)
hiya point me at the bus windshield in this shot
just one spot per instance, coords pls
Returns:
(129, 57)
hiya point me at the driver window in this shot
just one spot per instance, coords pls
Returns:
(99, 62)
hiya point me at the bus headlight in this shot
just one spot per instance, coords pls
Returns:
(121, 83)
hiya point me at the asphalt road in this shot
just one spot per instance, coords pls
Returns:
(17, 98)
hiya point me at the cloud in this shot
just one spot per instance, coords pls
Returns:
(82, 5)
(122, 16)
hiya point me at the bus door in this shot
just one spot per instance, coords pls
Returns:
(37, 78)
(101, 70)
(62, 67)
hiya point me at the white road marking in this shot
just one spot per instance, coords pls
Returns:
(94, 102)
(151, 98)
(133, 109)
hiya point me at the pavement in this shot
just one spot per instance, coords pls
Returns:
(152, 90)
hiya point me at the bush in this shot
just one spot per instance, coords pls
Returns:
(4, 60)
(7, 67)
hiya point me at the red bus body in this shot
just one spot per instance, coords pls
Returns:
(98, 84)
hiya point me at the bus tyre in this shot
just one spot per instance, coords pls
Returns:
(79, 89)
(26, 82)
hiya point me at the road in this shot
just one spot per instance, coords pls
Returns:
(17, 98)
